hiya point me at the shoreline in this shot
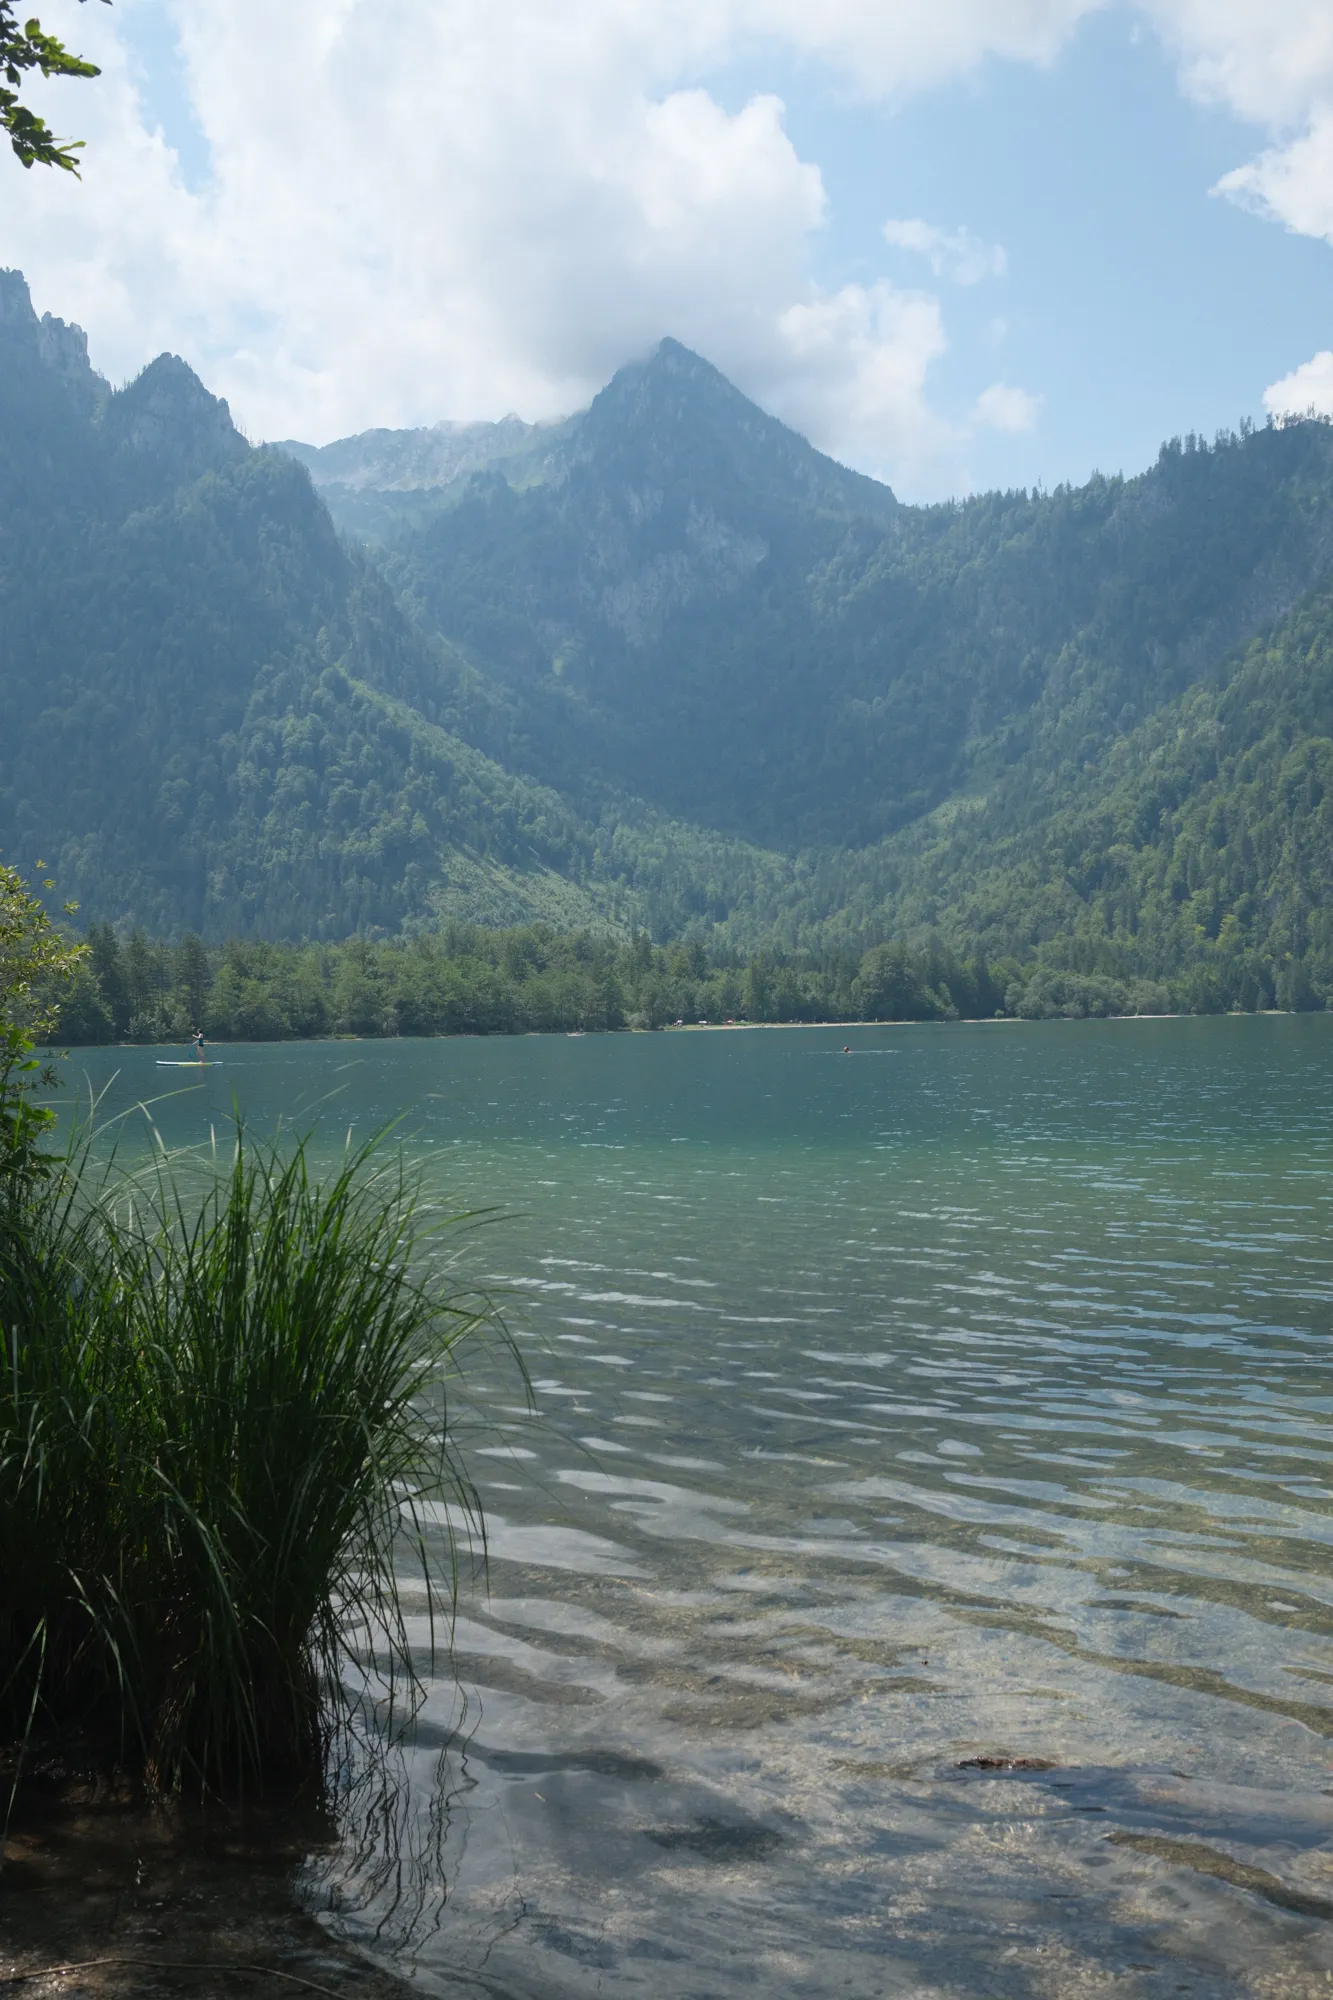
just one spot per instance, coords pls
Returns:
(107, 1896)
(687, 1028)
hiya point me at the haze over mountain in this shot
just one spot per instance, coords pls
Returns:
(375, 482)
(662, 663)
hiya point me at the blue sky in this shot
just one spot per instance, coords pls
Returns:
(1137, 303)
(352, 214)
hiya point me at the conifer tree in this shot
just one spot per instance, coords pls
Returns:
(109, 971)
(194, 977)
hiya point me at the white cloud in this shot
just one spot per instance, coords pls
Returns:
(1002, 407)
(96, 250)
(1292, 184)
(1272, 65)
(459, 207)
(449, 208)
(851, 371)
(1269, 61)
(887, 49)
(1308, 388)
(951, 253)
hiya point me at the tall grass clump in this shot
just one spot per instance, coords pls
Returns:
(222, 1416)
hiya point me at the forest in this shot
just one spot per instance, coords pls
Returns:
(666, 672)
(533, 980)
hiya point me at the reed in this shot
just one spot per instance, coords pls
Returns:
(221, 1416)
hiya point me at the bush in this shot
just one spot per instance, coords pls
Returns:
(220, 1421)
(35, 962)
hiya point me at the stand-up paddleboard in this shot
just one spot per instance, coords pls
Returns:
(187, 1062)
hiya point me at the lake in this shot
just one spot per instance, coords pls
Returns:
(915, 1577)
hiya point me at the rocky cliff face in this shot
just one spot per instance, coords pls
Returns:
(58, 349)
(162, 430)
(167, 426)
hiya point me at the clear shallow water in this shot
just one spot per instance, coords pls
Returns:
(964, 1398)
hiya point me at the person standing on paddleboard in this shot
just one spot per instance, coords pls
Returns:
(199, 1043)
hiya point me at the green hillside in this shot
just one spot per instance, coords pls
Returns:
(692, 604)
(1203, 840)
(216, 715)
(662, 666)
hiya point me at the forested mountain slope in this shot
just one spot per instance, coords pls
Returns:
(691, 603)
(214, 713)
(661, 664)
(1204, 839)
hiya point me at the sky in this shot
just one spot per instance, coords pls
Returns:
(958, 243)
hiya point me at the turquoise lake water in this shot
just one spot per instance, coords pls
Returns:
(916, 1577)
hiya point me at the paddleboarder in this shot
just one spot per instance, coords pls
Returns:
(199, 1043)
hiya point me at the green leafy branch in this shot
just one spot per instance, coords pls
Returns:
(34, 961)
(24, 48)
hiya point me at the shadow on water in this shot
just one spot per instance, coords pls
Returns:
(166, 1899)
(121, 1894)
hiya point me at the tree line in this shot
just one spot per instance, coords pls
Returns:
(466, 980)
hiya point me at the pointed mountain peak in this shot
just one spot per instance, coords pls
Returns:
(167, 415)
(15, 300)
(673, 417)
(672, 373)
(672, 357)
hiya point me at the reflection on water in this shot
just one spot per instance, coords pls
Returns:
(915, 1578)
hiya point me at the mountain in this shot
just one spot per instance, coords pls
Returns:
(609, 577)
(215, 714)
(1199, 847)
(380, 481)
(691, 603)
(661, 664)
(415, 461)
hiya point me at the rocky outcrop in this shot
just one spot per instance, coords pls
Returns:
(167, 416)
(59, 349)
